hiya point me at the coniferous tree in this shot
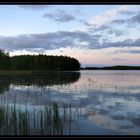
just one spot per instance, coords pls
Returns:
(37, 62)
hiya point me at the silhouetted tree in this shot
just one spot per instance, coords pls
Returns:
(44, 62)
(4, 60)
(37, 62)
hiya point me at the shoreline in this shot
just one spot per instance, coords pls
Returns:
(112, 68)
(22, 72)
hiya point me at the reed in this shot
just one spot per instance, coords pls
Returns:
(48, 120)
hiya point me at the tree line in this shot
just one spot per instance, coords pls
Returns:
(37, 62)
(113, 68)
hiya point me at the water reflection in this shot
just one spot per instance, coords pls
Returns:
(48, 120)
(40, 79)
(90, 103)
(45, 79)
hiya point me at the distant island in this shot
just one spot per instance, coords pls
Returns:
(113, 68)
(38, 62)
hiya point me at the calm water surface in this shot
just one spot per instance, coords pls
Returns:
(71, 103)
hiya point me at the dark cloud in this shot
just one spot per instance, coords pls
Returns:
(60, 16)
(118, 21)
(135, 18)
(136, 121)
(86, 23)
(124, 43)
(34, 7)
(108, 30)
(129, 21)
(102, 28)
(62, 39)
(118, 44)
(135, 51)
(48, 41)
(115, 32)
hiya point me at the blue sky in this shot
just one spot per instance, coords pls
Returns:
(96, 35)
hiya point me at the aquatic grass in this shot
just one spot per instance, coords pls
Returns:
(48, 120)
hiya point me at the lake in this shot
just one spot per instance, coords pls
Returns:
(70, 103)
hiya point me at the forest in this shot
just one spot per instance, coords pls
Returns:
(37, 62)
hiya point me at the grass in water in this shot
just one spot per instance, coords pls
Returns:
(50, 120)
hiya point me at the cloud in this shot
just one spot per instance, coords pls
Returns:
(134, 51)
(118, 44)
(34, 7)
(78, 10)
(135, 18)
(115, 32)
(108, 30)
(102, 28)
(129, 21)
(48, 41)
(109, 15)
(60, 16)
(124, 43)
(127, 12)
(118, 21)
(108, 21)
(119, 59)
(62, 39)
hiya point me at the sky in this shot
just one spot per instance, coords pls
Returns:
(96, 35)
